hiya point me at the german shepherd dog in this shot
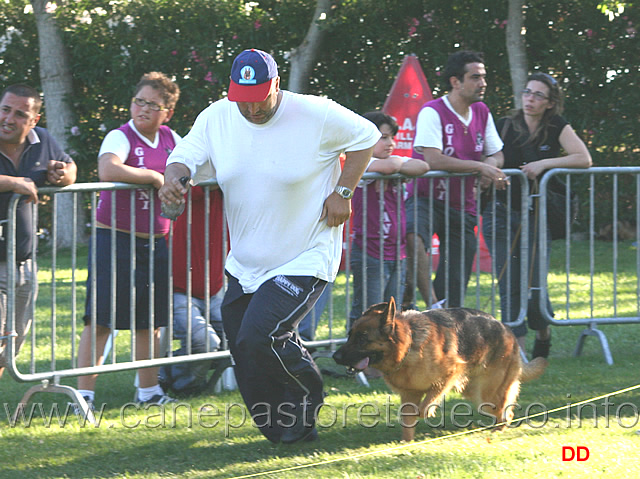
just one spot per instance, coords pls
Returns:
(423, 355)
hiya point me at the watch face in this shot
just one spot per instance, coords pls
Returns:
(345, 192)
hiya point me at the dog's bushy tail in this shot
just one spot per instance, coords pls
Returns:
(533, 369)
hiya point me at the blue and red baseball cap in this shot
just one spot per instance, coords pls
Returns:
(252, 75)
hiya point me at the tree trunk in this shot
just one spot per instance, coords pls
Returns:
(516, 48)
(303, 58)
(57, 86)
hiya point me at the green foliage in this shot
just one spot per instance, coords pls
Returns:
(591, 46)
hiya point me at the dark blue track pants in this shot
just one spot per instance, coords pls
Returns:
(276, 375)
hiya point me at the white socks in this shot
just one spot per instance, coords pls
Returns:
(145, 394)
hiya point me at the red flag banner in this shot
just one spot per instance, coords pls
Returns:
(408, 93)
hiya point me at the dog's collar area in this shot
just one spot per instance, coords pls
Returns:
(403, 360)
(406, 355)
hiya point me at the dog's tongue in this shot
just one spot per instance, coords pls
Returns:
(362, 364)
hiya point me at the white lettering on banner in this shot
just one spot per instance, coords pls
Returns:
(404, 138)
(404, 135)
(407, 124)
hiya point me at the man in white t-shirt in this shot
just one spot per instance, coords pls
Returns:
(275, 155)
(454, 133)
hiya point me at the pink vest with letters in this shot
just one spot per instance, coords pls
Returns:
(141, 155)
(458, 141)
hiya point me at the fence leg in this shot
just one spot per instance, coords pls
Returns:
(594, 331)
(56, 388)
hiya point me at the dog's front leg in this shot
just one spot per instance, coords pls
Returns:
(409, 414)
(432, 401)
(429, 406)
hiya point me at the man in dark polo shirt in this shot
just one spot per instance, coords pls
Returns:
(29, 158)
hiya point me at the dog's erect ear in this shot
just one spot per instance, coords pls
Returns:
(378, 308)
(388, 318)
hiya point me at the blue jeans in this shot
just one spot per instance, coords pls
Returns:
(199, 327)
(185, 376)
(379, 288)
(25, 277)
(510, 284)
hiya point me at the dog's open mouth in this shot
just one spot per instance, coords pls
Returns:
(361, 366)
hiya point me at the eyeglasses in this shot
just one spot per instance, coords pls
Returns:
(536, 94)
(153, 105)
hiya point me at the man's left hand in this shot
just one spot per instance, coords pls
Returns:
(55, 172)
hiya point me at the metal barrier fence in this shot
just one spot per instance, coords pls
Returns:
(47, 330)
(54, 332)
(612, 297)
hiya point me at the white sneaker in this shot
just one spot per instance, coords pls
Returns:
(158, 400)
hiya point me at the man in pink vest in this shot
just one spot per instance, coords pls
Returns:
(454, 133)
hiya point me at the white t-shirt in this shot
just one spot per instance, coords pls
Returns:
(275, 178)
(429, 135)
(116, 142)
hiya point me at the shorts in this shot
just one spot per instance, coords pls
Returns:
(425, 218)
(123, 290)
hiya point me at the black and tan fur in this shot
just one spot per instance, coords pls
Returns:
(424, 355)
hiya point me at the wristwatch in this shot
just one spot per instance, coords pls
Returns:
(346, 193)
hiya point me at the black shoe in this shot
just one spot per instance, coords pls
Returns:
(299, 434)
(303, 426)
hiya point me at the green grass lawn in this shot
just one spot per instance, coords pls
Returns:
(209, 436)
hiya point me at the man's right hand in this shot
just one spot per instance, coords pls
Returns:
(492, 174)
(173, 191)
(26, 186)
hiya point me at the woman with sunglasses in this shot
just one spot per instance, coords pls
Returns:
(536, 138)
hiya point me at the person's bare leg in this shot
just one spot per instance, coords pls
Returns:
(84, 354)
(409, 287)
(419, 252)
